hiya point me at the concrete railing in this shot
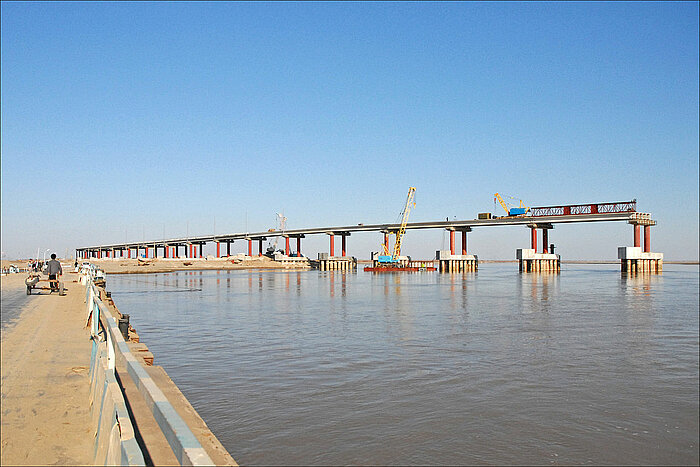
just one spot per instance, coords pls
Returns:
(109, 348)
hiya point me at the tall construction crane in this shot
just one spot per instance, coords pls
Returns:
(404, 220)
(410, 203)
(519, 211)
(281, 225)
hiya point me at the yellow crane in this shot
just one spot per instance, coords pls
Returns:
(404, 220)
(519, 211)
(385, 258)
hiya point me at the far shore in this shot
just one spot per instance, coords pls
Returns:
(151, 265)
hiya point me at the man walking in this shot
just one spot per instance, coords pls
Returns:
(54, 270)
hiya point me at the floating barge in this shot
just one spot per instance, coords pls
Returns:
(399, 268)
(382, 263)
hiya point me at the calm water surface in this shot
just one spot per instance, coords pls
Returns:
(493, 367)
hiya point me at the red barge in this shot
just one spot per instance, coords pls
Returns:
(399, 268)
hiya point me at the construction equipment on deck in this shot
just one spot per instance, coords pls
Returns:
(512, 211)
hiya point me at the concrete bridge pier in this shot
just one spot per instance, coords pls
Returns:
(638, 259)
(450, 262)
(529, 260)
(288, 249)
(336, 263)
(330, 262)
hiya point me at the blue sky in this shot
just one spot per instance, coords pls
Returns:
(131, 121)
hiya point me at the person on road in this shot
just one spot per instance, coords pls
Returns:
(54, 270)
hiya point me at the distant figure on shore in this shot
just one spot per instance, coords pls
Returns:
(54, 270)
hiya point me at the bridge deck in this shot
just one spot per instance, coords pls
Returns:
(455, 224)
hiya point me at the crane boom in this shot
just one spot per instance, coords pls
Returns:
(498, 198)
(404, 220)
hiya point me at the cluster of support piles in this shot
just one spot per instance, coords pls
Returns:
(336, 263)
(633, 259)
(449, 262)
(529, 260)
(456, 263)
(641, 265)
(539, 264)
(329, 262)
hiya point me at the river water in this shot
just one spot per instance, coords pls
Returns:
(496, 367)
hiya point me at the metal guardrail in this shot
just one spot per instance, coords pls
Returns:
(108, 348)
(579, 209)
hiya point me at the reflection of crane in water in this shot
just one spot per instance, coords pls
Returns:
(281, 226)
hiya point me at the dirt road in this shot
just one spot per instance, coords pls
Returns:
(45, 354)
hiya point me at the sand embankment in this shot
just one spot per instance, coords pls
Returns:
(136, 266)
(45, 386)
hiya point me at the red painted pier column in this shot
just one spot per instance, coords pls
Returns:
(250, 247)
(342, 250)
(637, 229)
(146, 250)
(545, 240)
(332, 245)
(201, 250)
(386, 242)
(218, 250)
(464, 242)
(533, 239)
(647, 238)
(299, 247)
(286, 246)
(452, 242)
(166, 251)
(260, 242)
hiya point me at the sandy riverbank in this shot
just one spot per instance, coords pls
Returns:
(134, 266)
(45, 387)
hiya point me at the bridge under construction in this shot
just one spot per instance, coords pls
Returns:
(539, 256)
